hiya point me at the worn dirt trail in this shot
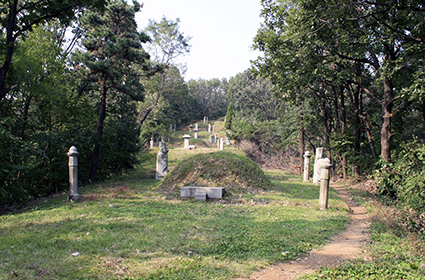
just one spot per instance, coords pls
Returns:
(343, 247)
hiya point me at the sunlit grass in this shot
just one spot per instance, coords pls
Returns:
(127, 228)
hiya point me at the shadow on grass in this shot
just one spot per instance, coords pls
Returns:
(135, 232)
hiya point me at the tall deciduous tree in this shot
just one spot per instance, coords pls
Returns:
(167, 44)
(114, 58)
(211, 95)
(253, 97)
(320, 46)
(20, 16)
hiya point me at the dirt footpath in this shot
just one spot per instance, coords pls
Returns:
(343, 247)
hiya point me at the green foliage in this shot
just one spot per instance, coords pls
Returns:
(229, 116)
(114, 62)
(167, 99)
(253, 97)
(211, 96)
(390, 269)
(403, 178)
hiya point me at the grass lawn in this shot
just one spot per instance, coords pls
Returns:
(128, 229)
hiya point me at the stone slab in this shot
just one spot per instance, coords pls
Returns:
(201, 196)
(190, 191)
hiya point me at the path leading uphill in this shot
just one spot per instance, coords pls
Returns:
(343, 247)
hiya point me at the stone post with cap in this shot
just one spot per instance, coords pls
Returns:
(325, 165)
(73, 173)
(307, 156)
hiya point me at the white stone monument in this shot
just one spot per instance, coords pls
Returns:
(152, 143)
(162, 161)
(209, 128)
(73, 173)
(325, 165)
(317, 169)
(211, 138)
(221, 144)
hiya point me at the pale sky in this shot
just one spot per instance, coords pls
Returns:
(222, 32)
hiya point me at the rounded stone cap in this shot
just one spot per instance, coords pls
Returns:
(73, 152)
(186, 136)
(307, 154)
(324, 163)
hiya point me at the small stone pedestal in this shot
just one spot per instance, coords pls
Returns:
(73, 173)
(186, 143)
(325, 165)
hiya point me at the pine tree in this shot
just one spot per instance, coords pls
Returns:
(229, 116)
(114, 58)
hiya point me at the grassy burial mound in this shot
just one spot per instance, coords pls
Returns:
(238, 174)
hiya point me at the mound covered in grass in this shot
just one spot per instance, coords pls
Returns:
(238, 174)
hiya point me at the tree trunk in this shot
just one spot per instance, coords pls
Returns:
(386, 105)
(102, 116)
(302, 142)
(343, 131)
(326, 127)
(10, 44)
(371, 142)
(423, 110)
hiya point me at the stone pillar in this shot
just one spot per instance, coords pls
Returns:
(213, 128)
(162, 161)
(73, 173)
(218, 145)
(152, 143)
(317, 170)
(221, 144)
(196, 133)
(205, 119)
(209, 128)
(325, 165)
(186, 138)
(215, 138)
(227, 141)
(196, 126)
(307, 156)
(211, 138)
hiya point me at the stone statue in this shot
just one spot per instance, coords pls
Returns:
(162, 161)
